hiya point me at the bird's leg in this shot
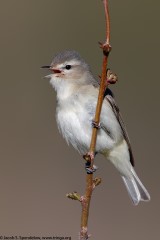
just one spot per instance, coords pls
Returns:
(90, 168)
(89, 157)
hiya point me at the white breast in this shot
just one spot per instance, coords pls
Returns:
(74, 119)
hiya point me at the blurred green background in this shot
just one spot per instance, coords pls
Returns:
(37, 168)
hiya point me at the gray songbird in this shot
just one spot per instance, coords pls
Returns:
(77, 92)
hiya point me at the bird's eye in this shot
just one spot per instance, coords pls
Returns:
(68, 67)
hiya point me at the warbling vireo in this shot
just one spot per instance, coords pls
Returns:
(77, 93)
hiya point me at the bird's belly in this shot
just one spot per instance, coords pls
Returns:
(77, 130)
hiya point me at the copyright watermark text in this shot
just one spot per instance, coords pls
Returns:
(2, 237)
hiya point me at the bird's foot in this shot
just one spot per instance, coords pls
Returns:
(96, 125)
(89, 168)
(89, 157)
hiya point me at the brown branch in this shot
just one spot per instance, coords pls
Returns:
(106, 8)
(89, 178)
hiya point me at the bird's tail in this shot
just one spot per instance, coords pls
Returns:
(119, 156)
(135, 188)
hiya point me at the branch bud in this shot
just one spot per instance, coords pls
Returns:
(97, 181)
(74, 196)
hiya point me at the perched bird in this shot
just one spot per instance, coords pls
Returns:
(77, 93)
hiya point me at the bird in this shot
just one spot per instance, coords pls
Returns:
(77, 93)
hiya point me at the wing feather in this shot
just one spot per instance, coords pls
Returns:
(109, 97)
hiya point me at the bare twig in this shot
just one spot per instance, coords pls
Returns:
(90, 183)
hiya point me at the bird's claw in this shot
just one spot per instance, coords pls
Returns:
(90, 169)
(96, 125)
(89, 157)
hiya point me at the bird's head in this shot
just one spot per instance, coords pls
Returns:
(67, 65)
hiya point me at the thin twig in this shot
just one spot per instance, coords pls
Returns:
(108, 32)
(89, 178)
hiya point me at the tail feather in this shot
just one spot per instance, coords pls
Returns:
(119, 157)
(136, 189)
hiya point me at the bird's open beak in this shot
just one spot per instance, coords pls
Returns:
(54, 70)
(46, 66)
